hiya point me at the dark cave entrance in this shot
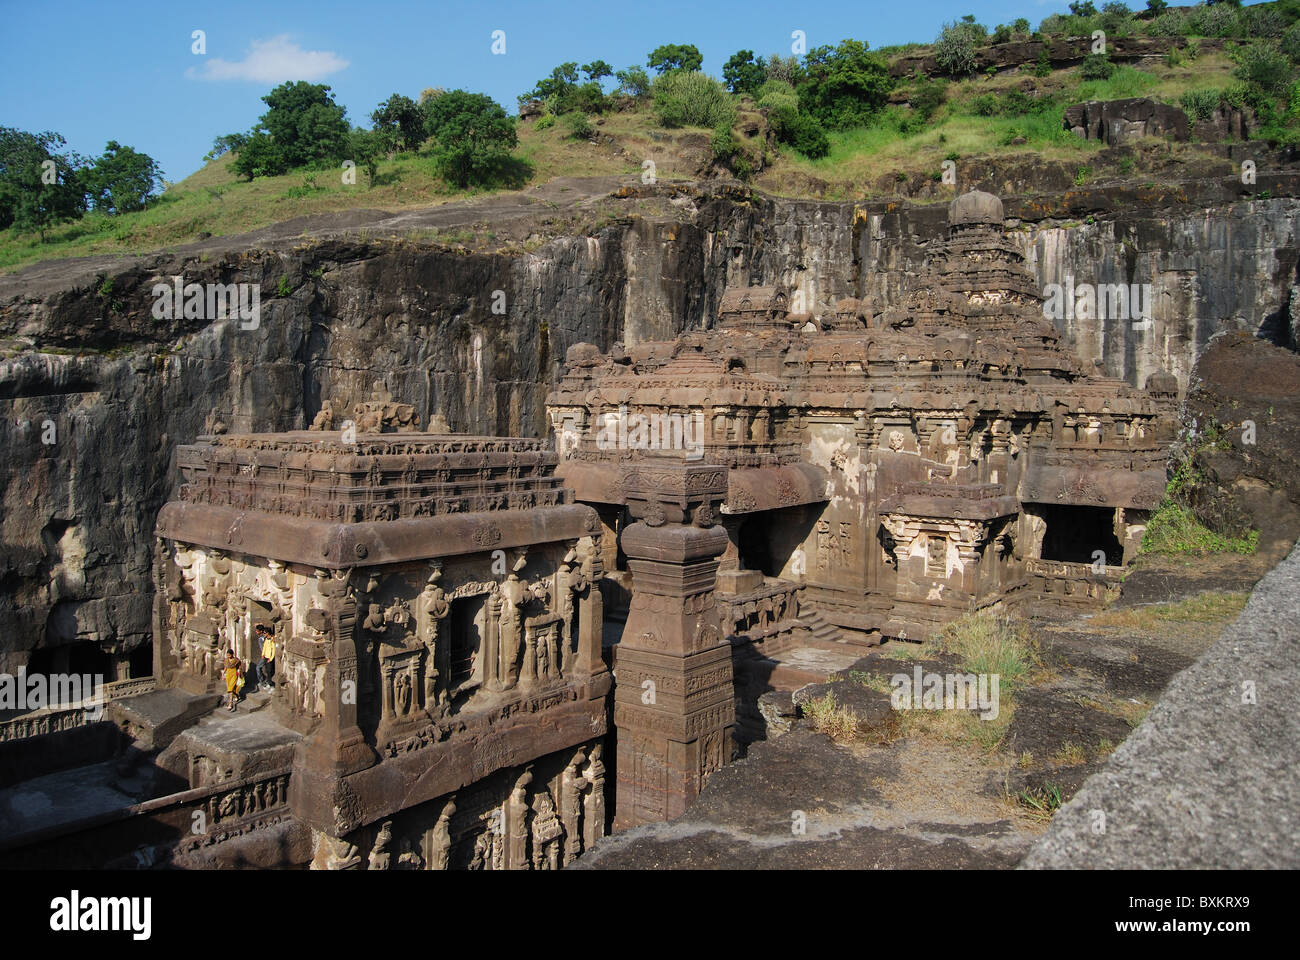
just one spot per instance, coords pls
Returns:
(141, 661)
(82, 657)
(754, 544)
(1074, 534)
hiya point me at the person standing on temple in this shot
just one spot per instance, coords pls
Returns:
(232, 677)
(265, 667)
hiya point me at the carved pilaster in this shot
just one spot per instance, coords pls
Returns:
(336, 748)
(674, 701)
(593, 814)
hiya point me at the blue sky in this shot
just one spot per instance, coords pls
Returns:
(95, 71)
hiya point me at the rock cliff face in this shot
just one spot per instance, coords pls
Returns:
(1222, 268)
(1123, 121)
(90, 424)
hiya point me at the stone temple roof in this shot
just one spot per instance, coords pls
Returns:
(374, 477)
(744, 299)
(315, 498)
(975, 207)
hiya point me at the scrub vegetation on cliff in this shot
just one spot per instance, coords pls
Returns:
(1178, 526)
(842, 121)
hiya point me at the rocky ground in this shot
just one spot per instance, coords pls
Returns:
(915, 792)
(1209, 780)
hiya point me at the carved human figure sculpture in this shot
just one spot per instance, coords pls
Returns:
(436, 608)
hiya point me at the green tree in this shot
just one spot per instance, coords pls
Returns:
(122, 180)
(800, 131)
(1097, 66)
(691, 99)
(366, 148)
(305, 123)
(596, 70)
(258, 157)
(743, 73)
(1291, 42)
(226, 143)
(562, 93)
(633, 82)
(954, 50)
(1261, 65)
(557, 89)
(400, 121)
(845, 86)
(474, 136)
(38, 186)
(787, 69)
(675, 56)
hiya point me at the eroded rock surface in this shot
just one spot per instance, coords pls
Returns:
(1209, 780)
(1114, 122)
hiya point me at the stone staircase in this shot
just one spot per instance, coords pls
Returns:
(810, 652)
(820, 630)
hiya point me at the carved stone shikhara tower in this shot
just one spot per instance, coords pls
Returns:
(434, 602)
(882, 469)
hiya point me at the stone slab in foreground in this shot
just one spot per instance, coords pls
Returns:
(1207, 781)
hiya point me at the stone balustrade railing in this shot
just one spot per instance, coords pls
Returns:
(1071, 582)
(68, 716)
(756, 612)
(134, 835)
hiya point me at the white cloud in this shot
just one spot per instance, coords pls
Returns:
(272, 61)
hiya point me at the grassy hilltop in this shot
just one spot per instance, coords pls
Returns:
(843, 123)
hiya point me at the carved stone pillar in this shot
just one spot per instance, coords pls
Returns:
(572, 787)
(591, 614)
(674, 687)
(674, 699)
(336, 747)
(528, 671)
(166, 579)
(386, 673)
(491, 665)
(437, 842)
(512, 628)
(593, 814)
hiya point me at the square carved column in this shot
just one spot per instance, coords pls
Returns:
(336, 747)
(674, 705)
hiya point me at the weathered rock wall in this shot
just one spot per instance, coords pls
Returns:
(1228, 267)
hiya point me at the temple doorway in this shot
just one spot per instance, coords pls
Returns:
(466, 638)
(1074, 534)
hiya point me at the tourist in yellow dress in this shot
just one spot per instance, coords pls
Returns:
(232, 673)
